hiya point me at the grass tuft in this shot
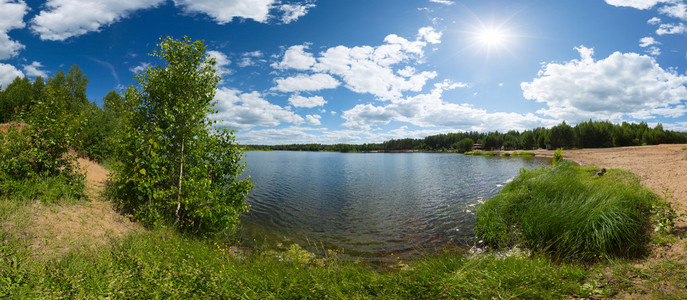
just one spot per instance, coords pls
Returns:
(570, 213)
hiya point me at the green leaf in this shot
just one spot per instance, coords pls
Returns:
(142, 171)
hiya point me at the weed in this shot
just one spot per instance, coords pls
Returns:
(664, 213)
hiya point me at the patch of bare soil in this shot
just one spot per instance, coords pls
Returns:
(56, 230)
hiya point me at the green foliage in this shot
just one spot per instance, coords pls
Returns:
(163, 264)
(464, 145)
(29, 156)
(569, 212)
(557, 156)
(173, 165)
(664, 213)
(591, 134)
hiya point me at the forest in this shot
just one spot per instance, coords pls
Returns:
(588, 134)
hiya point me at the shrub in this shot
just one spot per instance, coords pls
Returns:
(29, 156)
(569, 213)
(557, 156)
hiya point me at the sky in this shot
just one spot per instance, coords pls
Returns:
(366, 71)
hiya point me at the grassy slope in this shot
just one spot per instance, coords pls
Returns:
(163, 264)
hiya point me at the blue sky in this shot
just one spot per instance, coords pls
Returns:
(358, 71)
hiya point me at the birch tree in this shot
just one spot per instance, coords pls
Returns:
(174, 165)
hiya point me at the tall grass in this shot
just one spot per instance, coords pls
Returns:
(164, 264)
(570, 213)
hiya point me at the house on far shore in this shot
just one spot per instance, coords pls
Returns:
(477, 146)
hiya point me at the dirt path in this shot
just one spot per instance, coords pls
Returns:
(660, 167)
(56, 230)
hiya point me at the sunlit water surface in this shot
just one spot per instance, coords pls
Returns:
(370, 205)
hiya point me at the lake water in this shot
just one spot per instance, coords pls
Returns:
(370, 205)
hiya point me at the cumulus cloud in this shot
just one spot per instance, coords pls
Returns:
(671, 29)
(250, 58)
(63, 19)
(222, 62)
(314, 82)
(140, 68)
(243, 111)
(294, 11)
(34, 70)
(383, 71)
(429, 110)
(647, 41)
(296, 58)
(621, 85)
(444, 2)
(653, 51)
(223, 11)
(675, 10)
(11, 17)
(8, 73)
(313, 120)
(638, 4)
(307, 102)
(654, 21)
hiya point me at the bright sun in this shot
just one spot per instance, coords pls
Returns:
(491, 37)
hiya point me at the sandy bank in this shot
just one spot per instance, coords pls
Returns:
(660, 167)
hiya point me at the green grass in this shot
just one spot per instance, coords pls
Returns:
(484, 153)
(164, 264)
(570, 213)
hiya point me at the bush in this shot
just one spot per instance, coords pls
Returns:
(30, 158)
(557, 156)
(569, 213)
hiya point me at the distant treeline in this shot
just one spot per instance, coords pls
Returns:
(590, 134)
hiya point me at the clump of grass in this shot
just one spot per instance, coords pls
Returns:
(505, 154)
(569, 213)
(524, 153)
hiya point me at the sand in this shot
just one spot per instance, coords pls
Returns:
(661, 167)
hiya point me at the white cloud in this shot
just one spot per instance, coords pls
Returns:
(314, 82)
(250, 58)
(244, 111)
(638, 4)
(430, 35)
(647, 41)
(445, 2)
(671, 29)
(307, 102)
(382, 71)
(222, 62)
(294, 11)
(11, 17)
(653, 51)
(675, 10)
(34, 70)
(224, 11)
(63, 19)
(313, 120)
(621, 85)
(429, 110)
(296, 58)
(7, 74)
(140, 68)
(654, 21)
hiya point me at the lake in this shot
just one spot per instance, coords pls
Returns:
(370, 205)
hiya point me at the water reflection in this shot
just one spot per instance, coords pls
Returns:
(370, 204)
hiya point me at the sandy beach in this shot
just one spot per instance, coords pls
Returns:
(660, 167)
